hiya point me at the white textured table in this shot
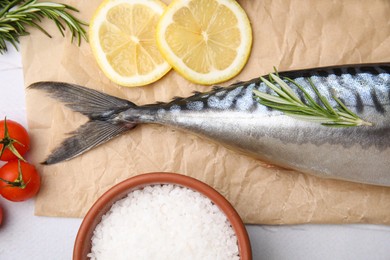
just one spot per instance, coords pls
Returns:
(25, 236)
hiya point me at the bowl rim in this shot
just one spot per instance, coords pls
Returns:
(147, 179)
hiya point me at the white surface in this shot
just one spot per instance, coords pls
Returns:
(25, 236)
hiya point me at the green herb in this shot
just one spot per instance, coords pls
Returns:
(16, 15)
(290, 104)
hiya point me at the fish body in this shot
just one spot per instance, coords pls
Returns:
(233, 117)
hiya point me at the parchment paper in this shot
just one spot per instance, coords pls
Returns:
(287, 34)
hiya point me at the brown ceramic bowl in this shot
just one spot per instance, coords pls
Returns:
(83, 240)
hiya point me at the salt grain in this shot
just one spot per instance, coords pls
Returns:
(164, 222)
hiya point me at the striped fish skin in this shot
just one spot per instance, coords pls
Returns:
(232, 117)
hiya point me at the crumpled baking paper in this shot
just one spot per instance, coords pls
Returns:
(287, 34)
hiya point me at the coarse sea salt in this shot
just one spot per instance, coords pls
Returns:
(164, 222)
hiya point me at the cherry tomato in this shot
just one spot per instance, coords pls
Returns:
(19, 181)
(15, 139)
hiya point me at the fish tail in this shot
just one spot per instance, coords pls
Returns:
(100, 108)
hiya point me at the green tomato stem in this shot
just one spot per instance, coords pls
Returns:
(8, 143)
(18, 182)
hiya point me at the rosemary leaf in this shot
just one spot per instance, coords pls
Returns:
(311, 118)
(309, 99)
(275, 99)
(275, 88)
(286, 88)
(322, 98)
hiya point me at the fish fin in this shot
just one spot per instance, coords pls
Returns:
(86, 101)
(100, 108)
(240, 82)
(176, 99)
(217, 88)
(86, 137)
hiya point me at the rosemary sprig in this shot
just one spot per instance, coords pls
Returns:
(290, 104)
(16, 15)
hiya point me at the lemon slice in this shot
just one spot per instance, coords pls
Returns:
(206, 41)
(122, 38)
